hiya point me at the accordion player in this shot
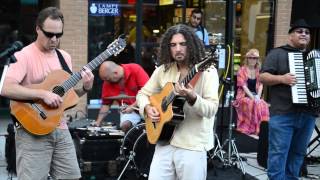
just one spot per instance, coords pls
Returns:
(307, 89)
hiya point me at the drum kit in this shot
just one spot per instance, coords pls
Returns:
(130, 151)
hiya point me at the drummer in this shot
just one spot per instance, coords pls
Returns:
(120, 87)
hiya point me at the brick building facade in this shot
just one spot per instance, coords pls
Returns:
(75, 38)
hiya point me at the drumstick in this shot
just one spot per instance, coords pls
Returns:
(135, 108)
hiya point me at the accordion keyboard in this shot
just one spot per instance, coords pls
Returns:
(296, 66)
(313, 73)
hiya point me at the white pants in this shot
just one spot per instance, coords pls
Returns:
(172, 163)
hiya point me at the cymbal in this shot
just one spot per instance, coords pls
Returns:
(119, 97)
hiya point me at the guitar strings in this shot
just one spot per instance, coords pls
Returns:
(114, 47)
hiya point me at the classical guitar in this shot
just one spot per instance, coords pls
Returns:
(38, 118)
(170, 105)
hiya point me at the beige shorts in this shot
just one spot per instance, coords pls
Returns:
(133, 117)
(38, 156)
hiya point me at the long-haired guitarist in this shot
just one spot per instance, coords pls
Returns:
(183, 155)
(53, 153)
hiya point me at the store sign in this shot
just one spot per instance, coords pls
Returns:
(103, 9)
(165, 2)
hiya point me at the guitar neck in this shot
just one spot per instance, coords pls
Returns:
(171, 97)
(76, 77)
(189, 76)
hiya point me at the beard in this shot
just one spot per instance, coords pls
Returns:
(179, 57)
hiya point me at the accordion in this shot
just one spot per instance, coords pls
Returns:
(307, 89)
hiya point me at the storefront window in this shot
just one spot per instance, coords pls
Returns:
(252, 27)
(17, 23)
(255, 28)
(109, 19)
(253, 24)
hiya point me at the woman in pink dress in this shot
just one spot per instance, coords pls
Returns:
(250, 108)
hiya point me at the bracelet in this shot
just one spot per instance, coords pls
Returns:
(84, 89)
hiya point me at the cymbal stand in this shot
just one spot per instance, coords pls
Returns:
(131, 156)
(218, 151)
(233, 157)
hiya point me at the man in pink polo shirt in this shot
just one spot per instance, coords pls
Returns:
(124, 80)
(53, 153)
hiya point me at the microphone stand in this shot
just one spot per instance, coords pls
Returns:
(233, 158)
(8, 61)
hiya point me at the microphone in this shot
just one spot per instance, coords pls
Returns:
(16, 46)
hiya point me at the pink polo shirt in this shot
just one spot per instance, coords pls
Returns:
(33, 66)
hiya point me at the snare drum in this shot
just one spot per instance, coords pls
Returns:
(135, 144)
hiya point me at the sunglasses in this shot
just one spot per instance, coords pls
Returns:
(253, 58)
(50, 34)
(301, 31)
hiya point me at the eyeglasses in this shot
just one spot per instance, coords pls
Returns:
(50, 34)
(301, 31)
(253, 58)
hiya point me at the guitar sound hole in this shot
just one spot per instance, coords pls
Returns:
(58, 90)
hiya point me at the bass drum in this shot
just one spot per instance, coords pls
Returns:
(135, 146)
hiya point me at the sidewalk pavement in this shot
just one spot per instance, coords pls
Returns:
(251, 166)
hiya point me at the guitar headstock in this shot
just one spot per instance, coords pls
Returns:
(208, 61)
(117, 45)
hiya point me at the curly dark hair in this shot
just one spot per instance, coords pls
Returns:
(195, 47)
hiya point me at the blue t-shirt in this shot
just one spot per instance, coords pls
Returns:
(202, 33)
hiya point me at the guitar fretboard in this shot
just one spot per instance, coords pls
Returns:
(114, 48)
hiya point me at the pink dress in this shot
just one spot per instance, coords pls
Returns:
(250, 112)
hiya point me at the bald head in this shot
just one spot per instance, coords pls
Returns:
(111, 72)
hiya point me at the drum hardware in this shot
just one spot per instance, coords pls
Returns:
(232, 155)
(135, 148)
(218, 151)
(135, 151)
(104, 132)
(124, 106)
(120, 97)
(233, 158)
(131, 156)
(79, 123)
(98, 169)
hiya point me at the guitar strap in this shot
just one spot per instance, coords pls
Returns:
(63, 62)
(195, 79)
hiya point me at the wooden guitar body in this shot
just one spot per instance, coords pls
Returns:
(38, 118)
(30, 117)
(156, 100)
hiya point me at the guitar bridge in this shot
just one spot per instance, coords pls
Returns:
(154, 125)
